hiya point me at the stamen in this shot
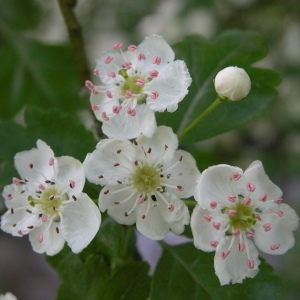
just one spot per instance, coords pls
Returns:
(132, 48)
(105, 117)
(279, 213)
(247, 201)
(109, 94)
(232, 212)
(94, 107)
(141, 200)
(236, 232)
(250, 263)
(267, 227)
(41, 187)
(40, 237)
(171, 207)
(131, 111)
(224, 254)
(118, 45)
(207, 218)
(96, 72)
(214, 243)
(240, 247)
(127, 65)
(250, 234)
(128, 94)
(263, 197)
(16, 180)
(250, 187)
(156, 60)
(231, 198)
(235, 176)
(147, 210)
(153, 74)
(116, 109)
(111, 74)
(91, 87)
(154, 95)
(213, 204)
(108, 60)
(141, 56)
(258, 217)
(139, 82)
(216, 225)
(72, 184)
(51, 161)
(278, 200)
(275, 246)
(44, 218)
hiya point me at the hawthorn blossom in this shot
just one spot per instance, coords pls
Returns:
(48, 203)
(144, 181)
(136, 84)
(236, 209)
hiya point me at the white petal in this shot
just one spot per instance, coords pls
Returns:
(181, 171)
(234, 268)
(256, 175)
(52, 241)
(39, 157)
(17, 220)
(281, 229)
(111, 161)
(153, 226)
(171, 84)
(215, 184)
(125, 126)
(114, 66)
(118, 211)
(203, 230)
(153, 46)
(163, 144)
(81, 222)
(70, 169)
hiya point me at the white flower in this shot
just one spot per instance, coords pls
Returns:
(8, 296)
(232, 83)
(234, 209)
(48, 202)
(144, 181)
(135, 84)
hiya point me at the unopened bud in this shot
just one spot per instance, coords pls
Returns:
(232, 83)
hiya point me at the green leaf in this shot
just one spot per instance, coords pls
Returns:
(36, 74)
(91, 278)
(204, 60)
(184, 272)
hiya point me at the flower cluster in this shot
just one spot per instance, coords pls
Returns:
(145, 177)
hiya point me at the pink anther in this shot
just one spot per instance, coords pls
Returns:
(141, 200)
(20, 232)
(104, 116)
(250, 264)
(247, 201)
(141, 56)
(216, 225)
(51, 161)
(263, 197)
(258, 217)
(116, 109)
(275, 246)
(250, 187)
(154, 95)
(16, 180)
(108, 94)
(128, 94)
(91, 87)
(127, 65)
(250, 234)
(132, 48)
(96, 72)
(171, 207)
(236, 232)
(118, 45)
(140, 82)
(180, 188)
(72, 183)
(207, 218)
(153, 74)
(40, 237)
(41, 187)
(235, 176)
(232, 212)
(131, 111)
(213, 204)
(111, 74)
(44, 218)
(214, 243)
(279, 213)
(267, 227)
(108, 60)
(278, 200)
(156, 60)
(240, 247)
(231, 198)
(224, 254)
(94, 106)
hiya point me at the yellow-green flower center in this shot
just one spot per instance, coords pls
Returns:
(244, 217)
(49, 200)
(146, 179)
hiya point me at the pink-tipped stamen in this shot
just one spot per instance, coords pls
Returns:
(141, 56)
(279, 213)
(275, 246)
(116, 109)
(108, 60)
(154, 95)
(40, 237)
(153, 74)
(247, 201)
(118, 45)
(96, 72)
(214, 244)
(250, 234)
(128, 94)
(263, 197)
(156, 60)
(94, 107)
(216, 225)
(250, 187)
(109, 94)
(127, 65)
(140, 82)
(231, 198)
(224, 254)
(236, 232)
(171, 207)
(232, 212)
(91, 87)
(72, 183)
(131, 111)
(278, 200)
(207, 218)
(267, 227)
(112, 74)
(132, 48)
(213, 204)
(250, 264)
(16, 180)
(240, 247)
(105, 117)
(235, 176)
(51, 161)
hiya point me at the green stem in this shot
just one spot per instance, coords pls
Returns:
(200, 117)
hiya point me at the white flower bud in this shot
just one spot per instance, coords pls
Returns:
(232, 83)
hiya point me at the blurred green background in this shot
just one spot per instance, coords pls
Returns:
(38, 66)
